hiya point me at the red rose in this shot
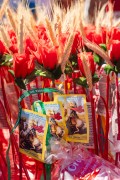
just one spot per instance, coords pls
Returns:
(115, 34)
(93, 36)
(29, 45)
(13, 48)
(76, 43)
(12, 36)
(114, 50)
(49, 58)
(42, 33)
(37, 55)
(2, 48)
(100, 38)
(90, 62)
(23, 65)
(63, 38)
(89, 31)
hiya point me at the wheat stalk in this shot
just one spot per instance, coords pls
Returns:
(99, 18)
(53, 38)
(117, 23)
(110, 13)
(2, 9)
(67, 52)
(98, 50)
(87, 71)
(31, 32)
(11, 18)
(51, 32)
(59, 27)
(5, 38)
(20, 35)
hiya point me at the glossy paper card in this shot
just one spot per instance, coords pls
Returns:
(56, 121)
(75, 115)
(33, 132)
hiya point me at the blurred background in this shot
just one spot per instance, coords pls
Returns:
(91, 6)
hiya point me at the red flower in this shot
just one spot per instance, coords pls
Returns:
(12, 36)
(93, 36)
(47, 57)
(89, 31)
(114, 50)
(37, 54)
(13, 48)
(42, 33)
(100, 38)
(23, 65)
(114, 34)
(76, 43)
(29, 45)
(2, 48)
(63, 38)
(90, 62)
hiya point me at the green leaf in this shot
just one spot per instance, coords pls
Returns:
(5, 60)
(108, 69)
(118, 66)
(73, 60)
(44, 73)
(41, 71)
(73, 57)
(68, 69)
(98, 59)
(57, 73)
(81, 81)
(11, 72)
(95, 78)
(103, 46)
(29, 78)
(20, 83)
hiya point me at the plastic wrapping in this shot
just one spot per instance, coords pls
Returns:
(74, 162)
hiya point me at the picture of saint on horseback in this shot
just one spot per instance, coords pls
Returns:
(55, 119)
(28, 136)
(74, 123)
(32, 133)
(75, 115)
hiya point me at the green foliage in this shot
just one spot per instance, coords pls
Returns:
(99, 60)
(83, 81)
(5, 60)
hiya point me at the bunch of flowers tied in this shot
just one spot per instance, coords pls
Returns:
(49, 51)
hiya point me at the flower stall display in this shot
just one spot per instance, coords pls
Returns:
(59, 93)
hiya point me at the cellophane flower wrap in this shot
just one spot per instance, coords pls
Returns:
(73, 161)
